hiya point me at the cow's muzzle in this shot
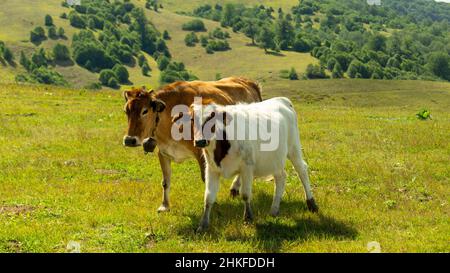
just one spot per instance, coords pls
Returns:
(201, 143)
(149, 145)
(131, 141)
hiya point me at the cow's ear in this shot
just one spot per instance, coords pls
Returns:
(126, 95)
(157, 105)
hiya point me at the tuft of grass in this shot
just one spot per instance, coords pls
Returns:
(65, 176)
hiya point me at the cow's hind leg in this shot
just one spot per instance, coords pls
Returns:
(201, 163)
(301, 167)
(167, 173)
(235, 186)
(211, 189)
(280, 184)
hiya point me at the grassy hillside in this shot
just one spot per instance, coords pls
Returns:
(180, 5)
(243, 59)
(18, 18)
(379, 174)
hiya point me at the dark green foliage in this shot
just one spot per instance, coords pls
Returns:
(284, 33)
(52, 33)
(191, 39)
(37, 35)
(76, 20)
(163, 62)
(48, 20)
(113, 83)
(204, 40)
(121, 72)
(293, 74)
(24, 61)
(61, 52)
(219, 34)
(42, 75)
(6, 53)
(439, 65)
(145, 69)
(194, 25)
(315, 72)
(217, 45)
(337, 71)
(86, 49)
(301, 45)
(61, 33)
(358, 70)
(166, 35)
(351, 30)
(63, 15)
(106, 75)
(266, 38)
(141, 59)
(40, 58)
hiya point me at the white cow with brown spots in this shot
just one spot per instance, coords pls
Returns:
(219, 131)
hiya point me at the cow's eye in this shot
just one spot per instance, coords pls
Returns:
(145, 112)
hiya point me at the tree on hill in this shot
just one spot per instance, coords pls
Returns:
(266, 39)
(293, 74)
(194, 25)
(48, 20)
(121, 72)
(191, 39)
(337, 72)
(145, 69)
(52, 33)
(106, 75)
(250, 29)
(284, 33)
(166, 35)
(61, 32)
(37, 35)
(24, 61)
(8, 55)
(61, 52)
(76, 20)
(439, 65)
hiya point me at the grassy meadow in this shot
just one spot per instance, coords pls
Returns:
(378, 173)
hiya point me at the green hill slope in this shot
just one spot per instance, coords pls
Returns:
(242, 59)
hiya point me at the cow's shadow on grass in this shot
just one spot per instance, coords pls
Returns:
(295, 224)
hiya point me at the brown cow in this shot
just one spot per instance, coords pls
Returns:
(150, 120)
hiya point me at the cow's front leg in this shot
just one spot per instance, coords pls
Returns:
(167, 173)
(212, 187)
(246, 177)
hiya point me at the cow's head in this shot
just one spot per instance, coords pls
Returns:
(208, 123)
(143, 111)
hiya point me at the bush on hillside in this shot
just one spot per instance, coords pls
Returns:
(194, 25)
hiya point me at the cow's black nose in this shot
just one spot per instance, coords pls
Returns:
(201, 143)
(130, 141)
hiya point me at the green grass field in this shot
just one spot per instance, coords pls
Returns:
(378, 173)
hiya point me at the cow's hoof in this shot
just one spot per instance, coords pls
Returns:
(163, 208)
(234, 193)
(312, 206)
(248, 218)
(274, 212)
(202, 228)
